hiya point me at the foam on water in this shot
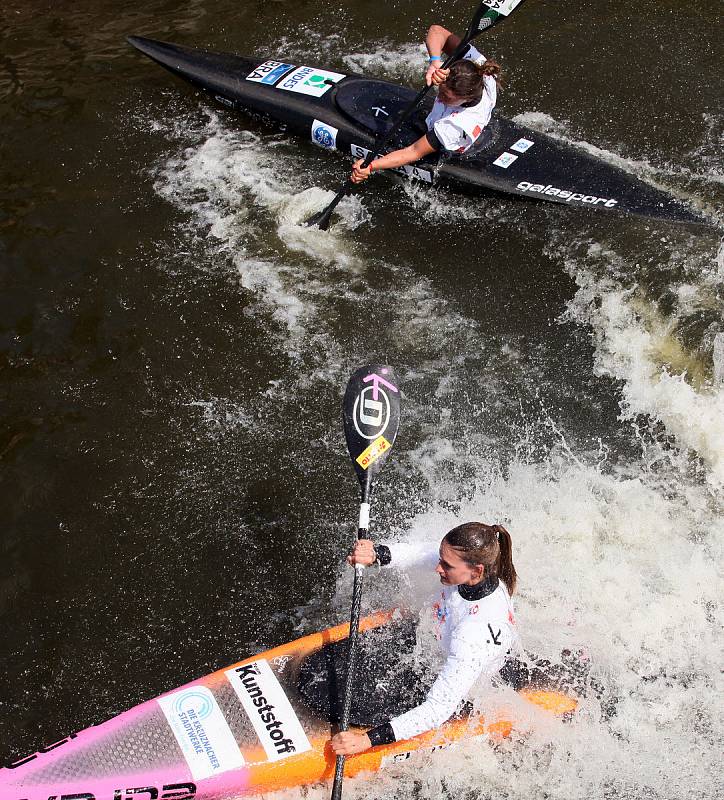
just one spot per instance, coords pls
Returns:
(655, 307)
(391, 61)
(384, 58)
(626, 348)
(225, 181)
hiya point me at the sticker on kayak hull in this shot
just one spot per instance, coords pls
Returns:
(504, 160)
(370, 454)
(324, 135)
(522, 145)
(311, 81)
(269, 72)
(396, 758)
(268, 707)
(411, 171)
(201, 731)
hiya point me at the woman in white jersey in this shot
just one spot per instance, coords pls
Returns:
(467, 93)
(475, 624)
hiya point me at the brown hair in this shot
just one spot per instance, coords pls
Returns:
(467, 80)
(489, 545)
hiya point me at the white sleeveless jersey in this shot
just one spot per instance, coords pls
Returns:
(475, 637)
(458, 127)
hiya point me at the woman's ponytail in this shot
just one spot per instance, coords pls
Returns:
(491, 69)
(504, 566)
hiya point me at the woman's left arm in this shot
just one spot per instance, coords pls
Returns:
(466, 662)
(397, 158)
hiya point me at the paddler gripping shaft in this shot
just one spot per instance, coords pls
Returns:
(371, 418)
(359, 571)
(485, 17)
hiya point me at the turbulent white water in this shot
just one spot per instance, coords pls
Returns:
(618, 533)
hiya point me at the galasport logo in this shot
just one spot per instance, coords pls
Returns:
(371, 411)
(248, 676)
(565, 194)
(170, 791)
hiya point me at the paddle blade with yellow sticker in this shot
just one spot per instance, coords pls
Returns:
(371, 414)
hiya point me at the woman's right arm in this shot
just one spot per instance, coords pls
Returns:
(397, 158)
(402, 555)
(439, 42)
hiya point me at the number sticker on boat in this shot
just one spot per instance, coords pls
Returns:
(396, 758)
(268, 707)
(411, 171)
(309, 80)
(324, 135)
(201, 731)
(504, 160)
(522, 145)
(269, 72)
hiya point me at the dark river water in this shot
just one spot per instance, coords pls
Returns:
(174, 486)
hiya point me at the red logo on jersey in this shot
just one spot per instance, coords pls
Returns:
(474, 609)
(476, 131)
(511, 618)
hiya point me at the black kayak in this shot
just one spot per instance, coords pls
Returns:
(348, 112)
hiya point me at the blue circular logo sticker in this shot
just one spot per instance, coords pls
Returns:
(195, 701)
(323, 136)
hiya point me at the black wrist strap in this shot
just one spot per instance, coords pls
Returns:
(382, 734)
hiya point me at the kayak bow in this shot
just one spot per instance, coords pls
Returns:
(257, 726)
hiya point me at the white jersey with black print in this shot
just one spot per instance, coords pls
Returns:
(475, 636)
(458, 127)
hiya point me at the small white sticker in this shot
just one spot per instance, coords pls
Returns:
(522, 145)
(409, 170)
(311, 81)
(269, 72)
(395, 758)
(201, 731)
(269, 710)
(364, 516)
(324, 135)
(503, 7)
(504, 160)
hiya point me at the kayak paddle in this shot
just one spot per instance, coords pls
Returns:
(371, 417)
(488, 13)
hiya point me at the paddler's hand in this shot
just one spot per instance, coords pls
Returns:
(363, 553)
(358, 173)
(435, 75)
(348, 743)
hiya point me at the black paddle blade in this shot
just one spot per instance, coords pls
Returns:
(321, 219)
(371, 415)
